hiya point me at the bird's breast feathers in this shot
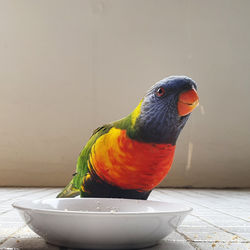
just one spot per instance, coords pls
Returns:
(129, 164)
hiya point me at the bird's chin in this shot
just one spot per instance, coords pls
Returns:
(187, 102)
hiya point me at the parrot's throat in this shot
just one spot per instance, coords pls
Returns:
(129, 164)
(154, 127)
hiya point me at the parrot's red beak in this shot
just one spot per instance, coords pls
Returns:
(187, 102)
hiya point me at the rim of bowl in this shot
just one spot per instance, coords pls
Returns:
(184, 209)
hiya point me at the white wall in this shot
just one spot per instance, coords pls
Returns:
(67, 67)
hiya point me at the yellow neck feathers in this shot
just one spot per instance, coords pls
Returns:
(136, 113)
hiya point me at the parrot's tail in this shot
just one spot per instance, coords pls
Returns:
(69, 191)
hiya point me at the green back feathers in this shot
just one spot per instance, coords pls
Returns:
(82, 162)
(73, 188)
(128, 123)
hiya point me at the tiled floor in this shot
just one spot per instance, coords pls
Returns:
(220, 219)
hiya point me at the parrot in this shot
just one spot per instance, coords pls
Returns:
(128, 158)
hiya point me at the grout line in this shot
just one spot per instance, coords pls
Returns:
(9, 237)
(34, 192)
(234, 234)
(221, 228)
(214, 209)
(6, 211)
(212, 194)
(189, 240)
(216, 195)
(220, 211)
(38, 191)
(24, 195)
(50, 193)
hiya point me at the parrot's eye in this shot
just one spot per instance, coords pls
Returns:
(160, 92)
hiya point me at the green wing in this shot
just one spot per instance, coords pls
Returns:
(73, 188)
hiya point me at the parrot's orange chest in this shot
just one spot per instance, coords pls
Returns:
(129, 164)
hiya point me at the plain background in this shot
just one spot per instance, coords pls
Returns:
(67, 67)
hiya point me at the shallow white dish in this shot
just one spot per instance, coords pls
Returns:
(100, 223)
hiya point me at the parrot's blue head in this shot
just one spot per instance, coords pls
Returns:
(165, 109)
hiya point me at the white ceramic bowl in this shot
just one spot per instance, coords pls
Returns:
(101, 223)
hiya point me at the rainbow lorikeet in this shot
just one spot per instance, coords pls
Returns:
(129, 157)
